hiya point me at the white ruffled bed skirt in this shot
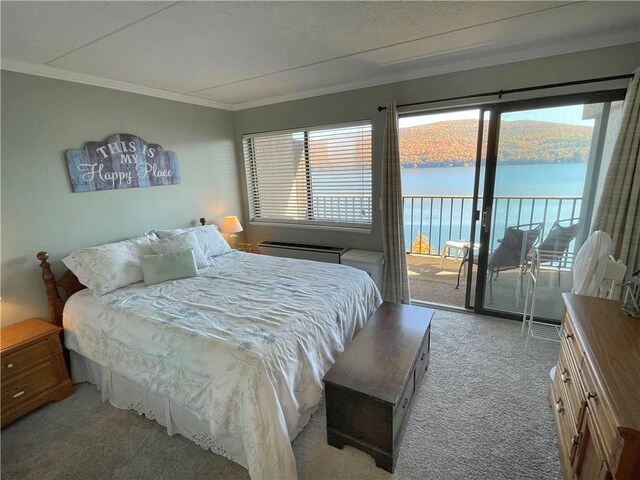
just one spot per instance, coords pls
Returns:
(125, 394)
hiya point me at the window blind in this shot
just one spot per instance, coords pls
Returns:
(315, 176)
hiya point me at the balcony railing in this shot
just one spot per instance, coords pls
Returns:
(431, 220)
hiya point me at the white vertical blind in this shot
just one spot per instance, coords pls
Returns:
(318, 176)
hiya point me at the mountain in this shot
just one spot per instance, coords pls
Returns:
(521, 141)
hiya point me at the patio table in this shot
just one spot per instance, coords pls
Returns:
(459, 247)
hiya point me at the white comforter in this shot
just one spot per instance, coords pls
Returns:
(244, 346)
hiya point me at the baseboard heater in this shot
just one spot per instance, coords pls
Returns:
(319, 253)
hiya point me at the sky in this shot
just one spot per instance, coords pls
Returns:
(438, 117)
(571, 115)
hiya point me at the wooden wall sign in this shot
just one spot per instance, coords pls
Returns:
(121, 161)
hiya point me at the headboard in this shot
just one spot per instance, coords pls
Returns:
(69, 283)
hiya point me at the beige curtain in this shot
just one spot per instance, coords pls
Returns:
(395, 282)
(618, 211)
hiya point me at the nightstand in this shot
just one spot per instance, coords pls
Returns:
(370, 262)
(33, 367)
(245, 247)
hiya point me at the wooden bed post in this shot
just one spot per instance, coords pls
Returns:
(53, 296)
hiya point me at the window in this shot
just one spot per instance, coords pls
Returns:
(313, 176)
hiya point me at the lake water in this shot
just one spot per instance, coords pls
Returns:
(522, 180)
(451, 220)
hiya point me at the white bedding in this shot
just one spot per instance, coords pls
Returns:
(244, 346)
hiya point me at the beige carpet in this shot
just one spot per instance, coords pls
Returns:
(480, 413)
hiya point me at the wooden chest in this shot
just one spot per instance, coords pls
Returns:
(33, 368)
(595, 393)
(370, 388)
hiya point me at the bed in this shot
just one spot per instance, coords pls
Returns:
(232, 359)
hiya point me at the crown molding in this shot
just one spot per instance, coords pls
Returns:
(75, 77)
(467, 61)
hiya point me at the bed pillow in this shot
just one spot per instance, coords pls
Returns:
(209, 238)
(106, 268)
(182, 241)
(168, 266)
(214, 244)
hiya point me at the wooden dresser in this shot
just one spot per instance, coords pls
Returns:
(369, 390)
(33, 367)
(595, 392)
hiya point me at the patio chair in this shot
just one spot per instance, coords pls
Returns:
(554, 247)
(511, 252)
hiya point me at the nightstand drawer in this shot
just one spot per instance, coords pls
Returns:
(16, 361)
(29, 384)
(33, 368)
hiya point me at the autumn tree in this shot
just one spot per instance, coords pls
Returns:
(422, 245)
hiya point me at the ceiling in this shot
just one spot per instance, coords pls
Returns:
(236, 55)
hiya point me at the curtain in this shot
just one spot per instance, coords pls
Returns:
(395, 282)
(618, 211)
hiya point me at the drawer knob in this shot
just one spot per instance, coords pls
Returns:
(592, 395)
(422, 356)
(565, 376)
(9, 365)
(404, 404)
(18, 394)
(560, 406)
(569, 335)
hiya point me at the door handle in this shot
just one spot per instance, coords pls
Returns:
(486, 217)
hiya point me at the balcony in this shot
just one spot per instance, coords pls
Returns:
(432, 220)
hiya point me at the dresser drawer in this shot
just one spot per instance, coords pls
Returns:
(567, 431)
(570, 340)
(570, 384)
(603, 425)
(14, 362)
(589, 462)
(27, 385)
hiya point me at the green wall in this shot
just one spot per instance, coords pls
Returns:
(362, 104)
(41, 118)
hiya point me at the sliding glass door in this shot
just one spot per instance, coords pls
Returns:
(438, 158)
(545, 163)
(484, 187)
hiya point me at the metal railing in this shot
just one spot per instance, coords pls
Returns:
(432, 220)
(341, 208)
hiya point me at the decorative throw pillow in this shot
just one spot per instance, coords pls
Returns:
(182, 241)
(106, 268)
(209, 238)
(168, 266)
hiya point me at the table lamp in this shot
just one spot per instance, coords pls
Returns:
(231, 226)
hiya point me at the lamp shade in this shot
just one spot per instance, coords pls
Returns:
(231, 224)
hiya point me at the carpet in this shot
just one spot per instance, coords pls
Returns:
(480, 413)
